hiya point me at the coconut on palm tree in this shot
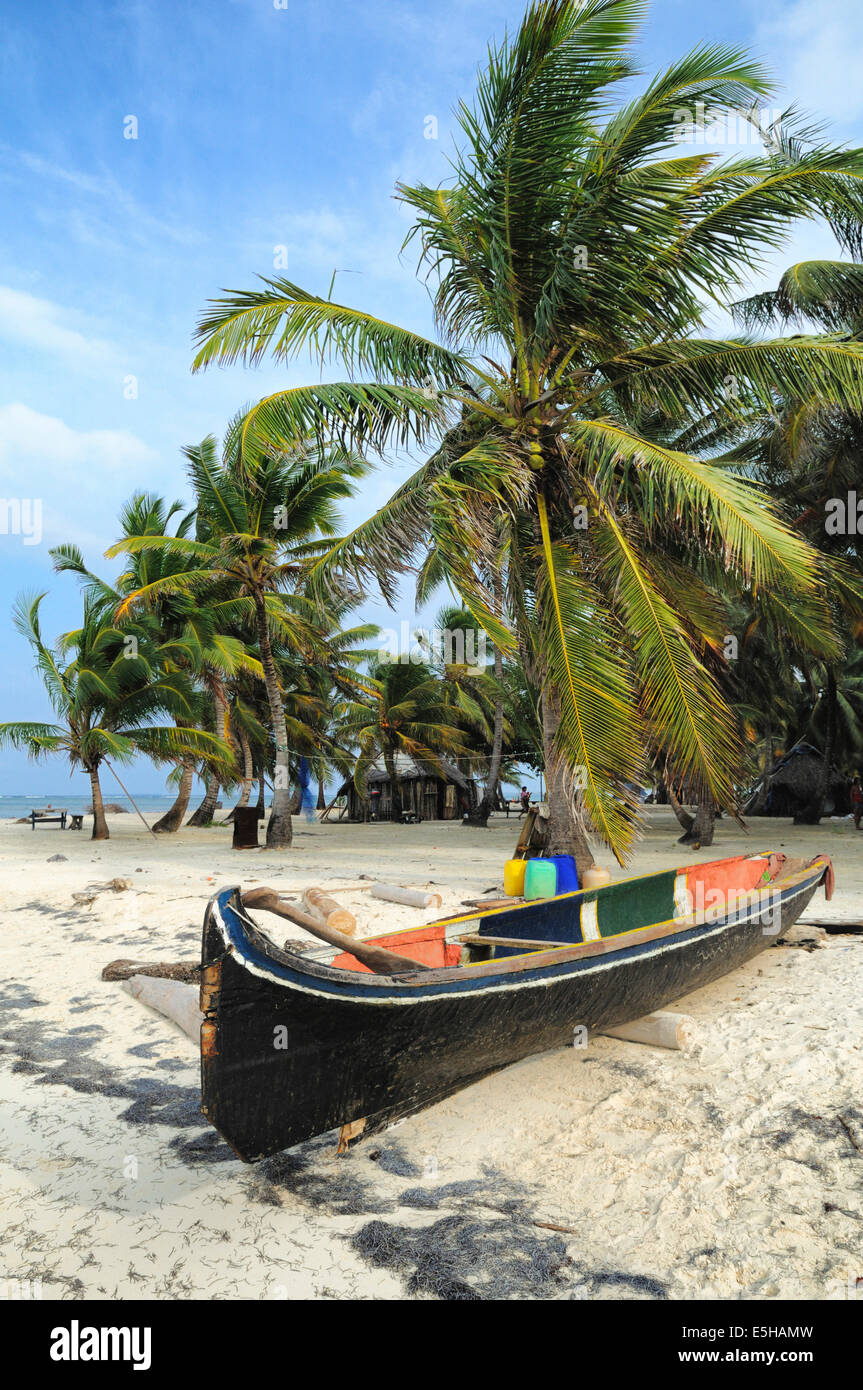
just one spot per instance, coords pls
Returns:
(570, 255)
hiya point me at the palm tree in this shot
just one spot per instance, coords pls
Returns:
(462, 666)
(404, 707)
(258, 517)
(248, 729)
(105, 684)
(334, 678)
(571, 255)
(807, 453)
(193, 636)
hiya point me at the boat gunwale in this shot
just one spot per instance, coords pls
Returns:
(415, 986)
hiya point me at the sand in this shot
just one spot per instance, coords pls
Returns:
(731, 1171)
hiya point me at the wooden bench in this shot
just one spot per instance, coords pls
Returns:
(48, 817)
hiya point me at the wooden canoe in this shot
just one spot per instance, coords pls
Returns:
(294, 1044)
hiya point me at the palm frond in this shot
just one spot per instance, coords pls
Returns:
(283, 320)
(599, 731)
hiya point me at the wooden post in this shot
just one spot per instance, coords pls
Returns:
(661, 1029)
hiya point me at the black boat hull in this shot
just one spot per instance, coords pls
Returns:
(287, 1055)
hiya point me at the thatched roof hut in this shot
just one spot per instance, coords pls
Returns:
(422, 789)
(792, 783)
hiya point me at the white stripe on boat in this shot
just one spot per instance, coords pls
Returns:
(589, 924)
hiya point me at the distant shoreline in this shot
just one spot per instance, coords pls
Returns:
(12, 806)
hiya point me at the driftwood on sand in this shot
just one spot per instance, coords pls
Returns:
(186, 970)
(177, 1001)
(88, 895)
(408, 897)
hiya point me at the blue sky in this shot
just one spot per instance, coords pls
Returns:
(257, 127)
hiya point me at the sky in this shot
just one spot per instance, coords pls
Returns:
(257, 126)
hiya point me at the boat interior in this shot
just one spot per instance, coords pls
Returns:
(588, 921)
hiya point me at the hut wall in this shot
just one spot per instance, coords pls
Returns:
(430, 798)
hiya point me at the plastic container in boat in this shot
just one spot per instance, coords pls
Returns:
(540, 878)
(567, 874)
(596, 878)
(513, 877)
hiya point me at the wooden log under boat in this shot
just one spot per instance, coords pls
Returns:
(294, 1045)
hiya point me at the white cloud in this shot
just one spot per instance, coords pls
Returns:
(28, 437)
(30, 322)
(80, 476)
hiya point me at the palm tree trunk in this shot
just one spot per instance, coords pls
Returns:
(478, 815)
(564, 829)
(763, 792)
(173, 819)
(100, 825)
(705, 820)
(322, 800)
(279, 831)
(248, 769)
(395, 796)
(204, 814)
(684, 819)
(812, 813)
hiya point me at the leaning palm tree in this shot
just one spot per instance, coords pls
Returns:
(570, 255)
(105, 684)
(259, 515)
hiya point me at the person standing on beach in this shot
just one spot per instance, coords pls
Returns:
(856, 802)
(525, 802)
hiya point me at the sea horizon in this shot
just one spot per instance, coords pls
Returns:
(14, 805)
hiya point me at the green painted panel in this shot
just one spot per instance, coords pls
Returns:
(634, 903)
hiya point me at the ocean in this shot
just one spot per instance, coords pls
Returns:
(11, 807)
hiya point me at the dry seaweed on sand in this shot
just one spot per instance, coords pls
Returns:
(462, 1258)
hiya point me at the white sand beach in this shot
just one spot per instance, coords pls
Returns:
(730, 1171)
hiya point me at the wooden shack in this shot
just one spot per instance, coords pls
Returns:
(422, 789)
(791, 785)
